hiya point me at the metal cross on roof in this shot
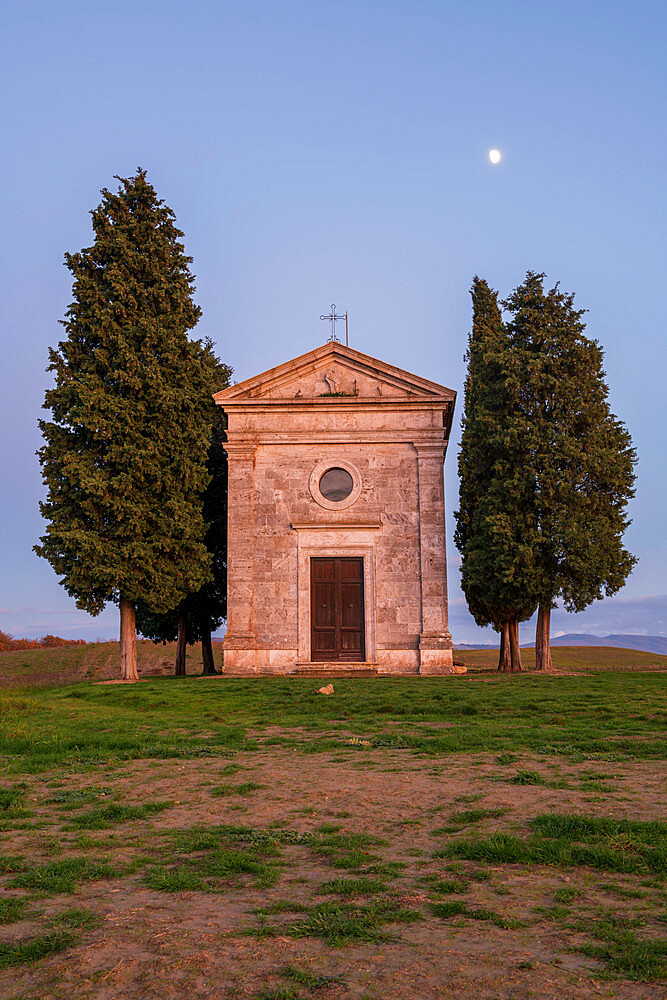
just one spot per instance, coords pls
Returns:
(333, 318)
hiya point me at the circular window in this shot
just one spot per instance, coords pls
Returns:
(336, 485)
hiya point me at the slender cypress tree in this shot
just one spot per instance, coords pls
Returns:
(124, 458)
(580, 454)
(200, 613)
(495, 527)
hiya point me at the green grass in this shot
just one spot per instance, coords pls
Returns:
(344, 850)
(447, 886)
(76, 918)
(625, 955)
(569, 840)
(344, 923)
(175, 718)
(176, 878)
(75, 798)
(12, 909)
(455, 908)
(59, 937)
(110, 815)
(588, 828)
(527, 778)
(63, 876)
(215, 857)
(11, 863)
(353, 887)
(32, 949)
(11, 800)
(567, 894)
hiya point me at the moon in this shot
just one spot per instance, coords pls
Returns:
(495, 156)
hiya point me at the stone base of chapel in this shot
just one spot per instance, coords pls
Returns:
(434, 657)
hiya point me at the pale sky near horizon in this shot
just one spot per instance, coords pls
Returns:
(338, 152)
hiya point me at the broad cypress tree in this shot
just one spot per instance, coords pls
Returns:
(495, 527)
(580, 454)
(200, 613)
(124, 458)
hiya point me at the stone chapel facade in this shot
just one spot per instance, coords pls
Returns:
(336, 540)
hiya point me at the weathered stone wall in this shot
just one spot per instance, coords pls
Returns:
(394, 444)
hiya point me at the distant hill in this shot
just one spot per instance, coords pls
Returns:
(645, 643)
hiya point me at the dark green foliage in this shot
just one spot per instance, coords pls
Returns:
(546, 469)
(124, 458)
(206, 608)
(580, 454)
(495, 522)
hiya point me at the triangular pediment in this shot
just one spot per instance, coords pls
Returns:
(334, 370)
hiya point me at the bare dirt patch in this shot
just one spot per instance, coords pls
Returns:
(516, 936)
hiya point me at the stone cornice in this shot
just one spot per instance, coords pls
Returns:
(337, 526)
(253, 390)
(242, 439)
(257, 403)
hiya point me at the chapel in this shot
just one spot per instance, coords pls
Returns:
(336, 533)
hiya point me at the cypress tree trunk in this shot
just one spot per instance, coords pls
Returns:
(505, 660)
(181, 644)
(514, 644)
(128, 641)
(208, 664)
(543, 638)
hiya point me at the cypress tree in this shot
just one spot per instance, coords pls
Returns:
(202, 612)
(580, 454)
(495, 527)
(124, 458)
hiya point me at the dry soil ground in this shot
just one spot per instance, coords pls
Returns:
(362, 870)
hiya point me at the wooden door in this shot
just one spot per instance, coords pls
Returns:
(337, 609)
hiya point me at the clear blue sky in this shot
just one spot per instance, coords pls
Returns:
(337, 152)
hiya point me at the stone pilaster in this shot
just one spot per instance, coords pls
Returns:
(435, 643)
(239, 642)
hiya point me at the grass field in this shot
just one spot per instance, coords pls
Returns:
(94, 662)
(99, 661)
(579, 658)
(481, 836)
